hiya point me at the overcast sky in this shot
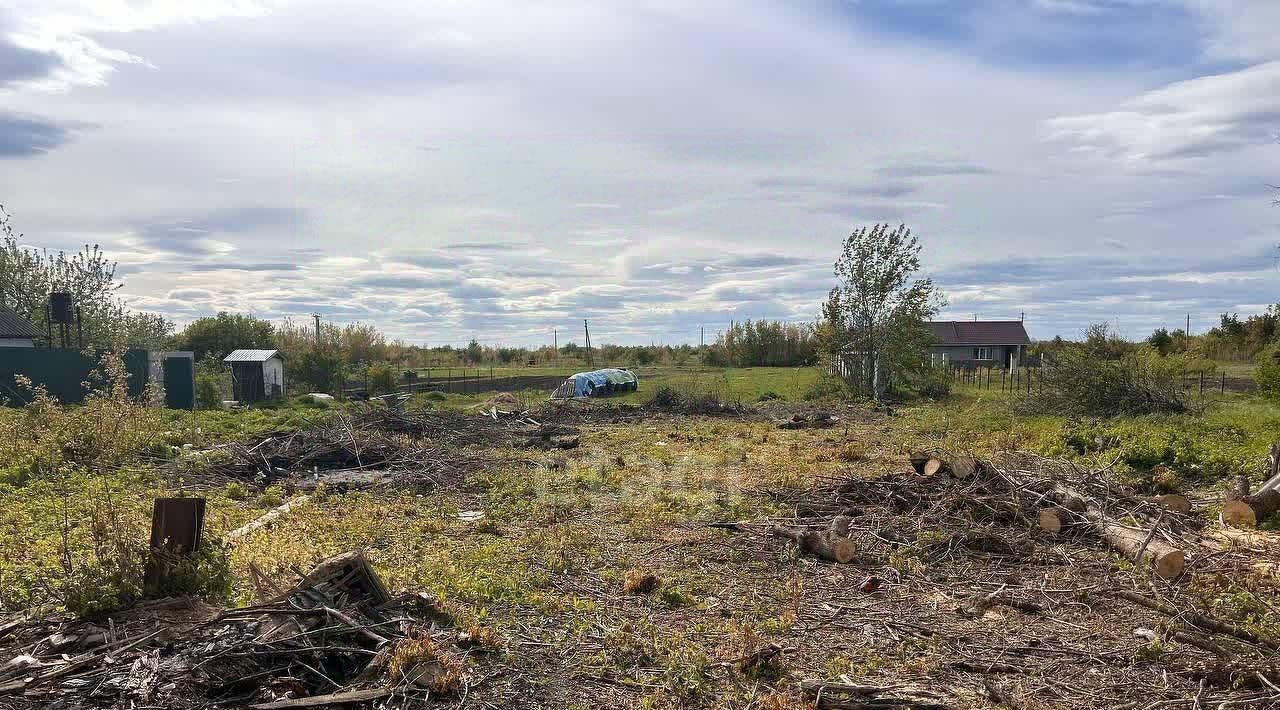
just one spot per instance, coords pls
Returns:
(472, 168)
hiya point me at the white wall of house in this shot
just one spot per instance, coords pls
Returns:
(273, 375)
(17, 343)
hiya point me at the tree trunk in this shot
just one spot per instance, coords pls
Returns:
(818, 544)
(1137, 546)
(1245, 510)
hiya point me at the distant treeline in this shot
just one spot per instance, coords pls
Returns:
(764, 343)
(349, 351)
(1233, 339)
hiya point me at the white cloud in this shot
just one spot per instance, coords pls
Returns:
(1193, 118)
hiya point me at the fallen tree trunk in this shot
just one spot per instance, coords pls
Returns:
(266, 519)
(818, 544)
(1137, 546)
(1244, 510)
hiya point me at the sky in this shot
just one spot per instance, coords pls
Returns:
(467, 168)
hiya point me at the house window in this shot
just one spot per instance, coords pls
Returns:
(982, 353)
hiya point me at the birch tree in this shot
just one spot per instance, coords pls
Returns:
(875, 314)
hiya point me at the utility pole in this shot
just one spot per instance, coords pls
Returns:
(702, 336)
(1188, 330)
(587, 332)
(316, 316)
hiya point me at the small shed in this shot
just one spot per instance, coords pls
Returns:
(256, 375)
(16, 331)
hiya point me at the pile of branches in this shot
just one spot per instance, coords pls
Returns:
(335, 637)
(422, 445)
(1065, 588)
(671, 400)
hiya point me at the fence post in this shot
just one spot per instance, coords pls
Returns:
(1202, 382)
(1223, 389)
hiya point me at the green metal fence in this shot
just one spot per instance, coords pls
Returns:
(62, 372)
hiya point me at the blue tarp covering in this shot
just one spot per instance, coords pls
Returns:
(597, 382)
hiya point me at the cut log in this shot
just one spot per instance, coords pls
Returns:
(918, 461)
(819, 544)
(1247, 512)
(965, 466)
(932, 467)
(1055, 520)
(1244, 510)
(1138, 546)
(1173, 501)
(268, 518)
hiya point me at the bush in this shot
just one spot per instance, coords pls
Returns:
(382, 379)
(272, 497)
(828, 387)
(318, 370)
(237, 491)
(933, 383)
(1268, 374)
(208, 391)
(1079, 382)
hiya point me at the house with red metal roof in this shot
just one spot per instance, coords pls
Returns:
(989, 343)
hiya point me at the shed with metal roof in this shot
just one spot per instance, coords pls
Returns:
(256, 375)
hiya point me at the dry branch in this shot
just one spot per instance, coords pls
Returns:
(1196, 619)
(267, 518)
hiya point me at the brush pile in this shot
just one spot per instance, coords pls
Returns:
(335, 637)
(675, 401)
(420, 446)
(1034, 584)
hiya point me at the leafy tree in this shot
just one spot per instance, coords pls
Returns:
(381, 379)
(876, 312)
(28, 276)
(474, 352)
(320, 370)
(1161, 340)
(1268, 373)
(361, 342)
(762, 343)
(220, 334)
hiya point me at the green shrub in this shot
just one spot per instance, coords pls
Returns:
(237, 491)
(828, 387)
(382, 379)
(933, 383)
(208, 391)
(1268, 373)
(272, 496)
(1079, 382)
